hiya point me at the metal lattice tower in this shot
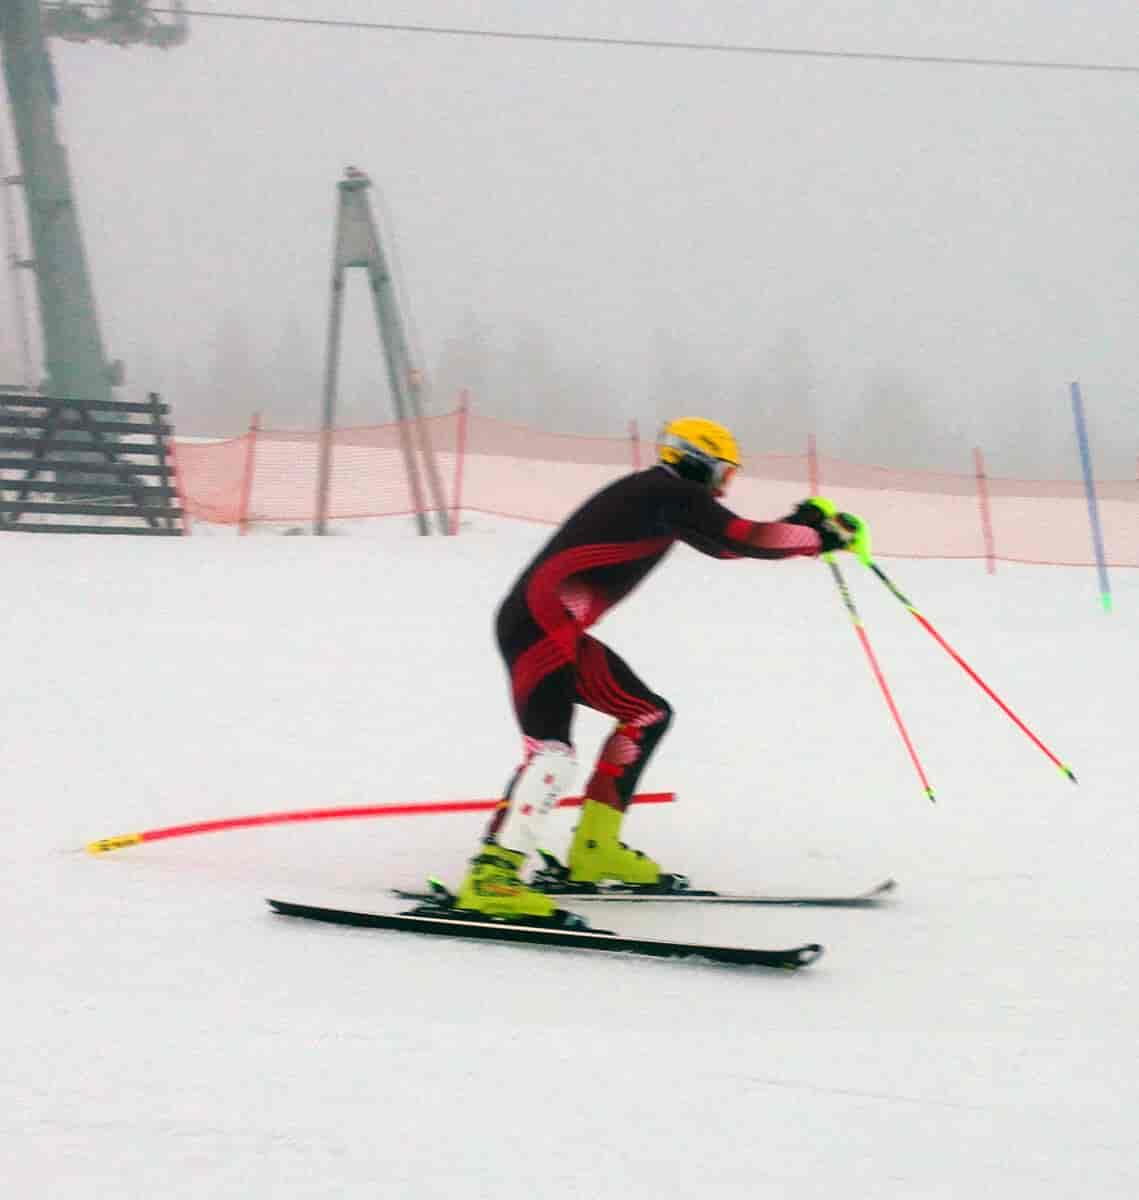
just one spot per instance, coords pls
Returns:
(75, 362)
(358, 245)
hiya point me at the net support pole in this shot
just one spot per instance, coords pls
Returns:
(460, 454)
(399, 384)
(426, 449)
(179, 485)
(358, 245)
(986, 513)
(247, 474)
(331, 377)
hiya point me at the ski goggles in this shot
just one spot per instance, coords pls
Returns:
(720, 471)
(723, 473)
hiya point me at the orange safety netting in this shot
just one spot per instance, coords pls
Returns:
(489, 466)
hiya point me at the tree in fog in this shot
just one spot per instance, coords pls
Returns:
(464, 364)
(893, 425)
(234, 381)
(681, 385)
(542, 387)
(1033, 434)
(297, 374)
(777, 405)
(525, 378)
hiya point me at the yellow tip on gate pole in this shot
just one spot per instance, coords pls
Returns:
(113, 843)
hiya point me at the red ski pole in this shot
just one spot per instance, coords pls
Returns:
(848, 600)
(928, 627)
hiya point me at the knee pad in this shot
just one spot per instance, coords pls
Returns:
(624, 756)
(632, 741)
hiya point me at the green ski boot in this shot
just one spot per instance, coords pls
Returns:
(492, 888)
(596, 854)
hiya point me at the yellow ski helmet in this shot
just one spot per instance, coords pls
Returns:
(701, 450)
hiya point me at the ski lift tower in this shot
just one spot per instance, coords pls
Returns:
(74, 360)
(358, 245)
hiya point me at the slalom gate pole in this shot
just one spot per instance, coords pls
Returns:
(1090, 492)
(925, 624)
(103, 845)
(848, 601)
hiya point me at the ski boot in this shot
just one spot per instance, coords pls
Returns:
(493, 891)
(596, 855)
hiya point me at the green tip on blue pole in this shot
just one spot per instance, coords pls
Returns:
(1105, 600)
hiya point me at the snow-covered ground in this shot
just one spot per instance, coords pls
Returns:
(166, 1036)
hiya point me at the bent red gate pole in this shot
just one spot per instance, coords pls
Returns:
(102, 845)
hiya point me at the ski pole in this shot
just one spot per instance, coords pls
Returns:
(924, 622)
(848, 601)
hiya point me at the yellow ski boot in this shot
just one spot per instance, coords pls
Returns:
(492, 888)
(596, 854)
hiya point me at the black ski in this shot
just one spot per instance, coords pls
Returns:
(683, 894)
(448, 923)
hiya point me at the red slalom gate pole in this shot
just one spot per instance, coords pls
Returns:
(103, 845)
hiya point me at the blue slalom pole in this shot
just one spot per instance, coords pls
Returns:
(1089, 489)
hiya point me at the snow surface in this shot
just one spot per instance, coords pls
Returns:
(165, 1035)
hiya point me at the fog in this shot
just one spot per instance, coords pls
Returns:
(906, 259)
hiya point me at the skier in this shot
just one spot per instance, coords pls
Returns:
(595, 559)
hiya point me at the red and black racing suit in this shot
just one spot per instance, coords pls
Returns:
(597, 557)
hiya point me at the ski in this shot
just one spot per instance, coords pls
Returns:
(687, 895)
(437, 920)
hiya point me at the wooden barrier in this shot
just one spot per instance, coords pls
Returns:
(61, 459)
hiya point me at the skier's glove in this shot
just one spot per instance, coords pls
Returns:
(856, 533)
(812, 512)
(836, 530)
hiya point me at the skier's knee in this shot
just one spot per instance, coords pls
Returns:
(653, 729)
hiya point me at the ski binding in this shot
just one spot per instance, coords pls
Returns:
(553, 879)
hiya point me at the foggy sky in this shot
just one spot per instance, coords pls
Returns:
(906, 259)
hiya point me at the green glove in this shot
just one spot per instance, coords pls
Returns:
(814, 512)
(858, 535)
(838, 530)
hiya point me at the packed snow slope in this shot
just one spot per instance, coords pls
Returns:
(166, 1036)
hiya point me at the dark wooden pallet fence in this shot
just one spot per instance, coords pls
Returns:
(70, 460)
